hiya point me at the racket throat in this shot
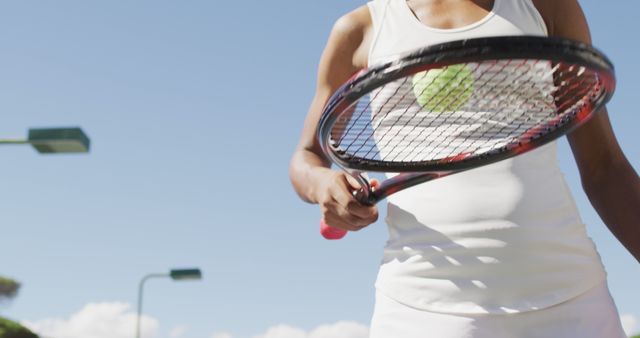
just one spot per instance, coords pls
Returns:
(400, 182)
(366, 191)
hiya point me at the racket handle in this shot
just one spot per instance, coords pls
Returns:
(330, 232)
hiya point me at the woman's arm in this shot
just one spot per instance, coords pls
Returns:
(309, 169)
(611, 184)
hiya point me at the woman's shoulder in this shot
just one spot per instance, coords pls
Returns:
(555, 14)
(352, 31)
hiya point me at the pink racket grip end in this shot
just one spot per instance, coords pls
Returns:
(330, 232)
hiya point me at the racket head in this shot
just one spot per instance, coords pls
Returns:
(359, 134)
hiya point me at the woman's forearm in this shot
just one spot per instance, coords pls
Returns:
(615, 195)
(305, 171)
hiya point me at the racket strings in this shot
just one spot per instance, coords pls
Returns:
(588, 84)
(491, 89)
(440, 141)
(399, 101)
(460, 110)
(509, 123)
(359, 141)
(441, 99)
(362, 110)
(385, 107)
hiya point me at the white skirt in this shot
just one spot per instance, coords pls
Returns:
(590, 315)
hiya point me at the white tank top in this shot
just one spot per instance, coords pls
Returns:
(504, 238)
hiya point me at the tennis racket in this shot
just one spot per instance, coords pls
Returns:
(459, 105)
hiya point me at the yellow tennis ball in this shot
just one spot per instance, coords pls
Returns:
(443, 89)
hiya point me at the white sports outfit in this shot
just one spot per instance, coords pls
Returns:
(502, 241)
(590, 315)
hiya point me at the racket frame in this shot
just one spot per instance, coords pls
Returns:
(437, 56)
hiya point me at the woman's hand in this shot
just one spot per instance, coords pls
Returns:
(340, 209)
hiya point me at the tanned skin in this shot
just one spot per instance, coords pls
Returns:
(610, 182)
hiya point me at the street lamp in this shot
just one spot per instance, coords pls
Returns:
(55, 140)
(175, 274)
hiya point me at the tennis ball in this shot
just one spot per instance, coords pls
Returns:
(443, 89)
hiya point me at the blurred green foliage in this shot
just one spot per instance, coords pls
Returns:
(8, 288)
(11, 329)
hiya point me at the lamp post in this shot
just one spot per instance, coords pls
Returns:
(175, 274)
(54, 140)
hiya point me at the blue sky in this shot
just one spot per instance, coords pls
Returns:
(194, 108)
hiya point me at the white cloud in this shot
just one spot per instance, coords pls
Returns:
(629, 323)
(283, 331)
(95, 320)
(178, 331)
(341, 329)
(221, 335)
(117, 320)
